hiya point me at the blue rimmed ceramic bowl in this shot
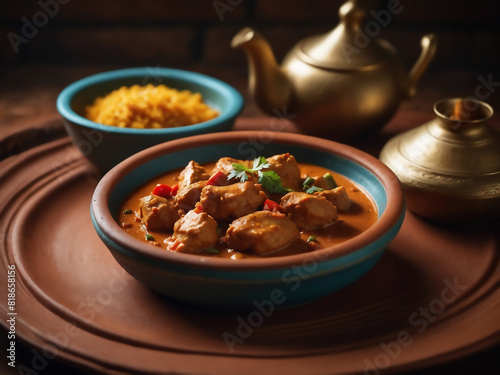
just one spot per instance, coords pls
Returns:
(106, 146)
(245, 283)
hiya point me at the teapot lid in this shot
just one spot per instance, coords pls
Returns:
(349, 46)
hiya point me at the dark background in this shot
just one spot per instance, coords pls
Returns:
(84, 37)
(88, 36)
(169, 32)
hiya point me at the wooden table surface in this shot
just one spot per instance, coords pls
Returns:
(27, 99)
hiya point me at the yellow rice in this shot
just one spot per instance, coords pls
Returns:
(149, 107)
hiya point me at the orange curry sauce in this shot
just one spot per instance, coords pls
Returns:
(362, 214)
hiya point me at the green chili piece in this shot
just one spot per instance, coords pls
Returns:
(128, 211)
(312, 239)
(149, 237)
(212, 251)
(309, 181)
(329, 178)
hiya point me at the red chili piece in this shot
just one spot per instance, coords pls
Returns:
(175, 189)
(217, 179)
(272, 206)
(162, 190)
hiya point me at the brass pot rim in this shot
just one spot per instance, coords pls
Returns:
(487, 110)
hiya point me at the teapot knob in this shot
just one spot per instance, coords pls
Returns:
(352, 14)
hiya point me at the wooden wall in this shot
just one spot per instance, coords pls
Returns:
(176, 33)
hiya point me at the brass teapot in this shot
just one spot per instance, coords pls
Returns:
(338, 85)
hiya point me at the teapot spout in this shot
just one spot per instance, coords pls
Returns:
(268, 84)
(428, 44)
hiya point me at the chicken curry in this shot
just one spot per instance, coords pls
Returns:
(238, 209)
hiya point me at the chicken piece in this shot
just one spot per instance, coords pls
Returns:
(230, 202)
(157, 214)
(187, 198)
(338, 197)
(225, 165)
(309, 211)
(193, 233)
(323, 183)
(262, 232)
(193, 172)
(287, 168)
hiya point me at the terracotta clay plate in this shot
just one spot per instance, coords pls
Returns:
(432, 297)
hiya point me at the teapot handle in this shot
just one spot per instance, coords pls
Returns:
(428, 43)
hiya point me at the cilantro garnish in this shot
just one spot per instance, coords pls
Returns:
(313, 189)
(269, 179)
(260, 163)
(239, 172)
(272, 182)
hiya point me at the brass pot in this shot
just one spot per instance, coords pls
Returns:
(450, 167)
